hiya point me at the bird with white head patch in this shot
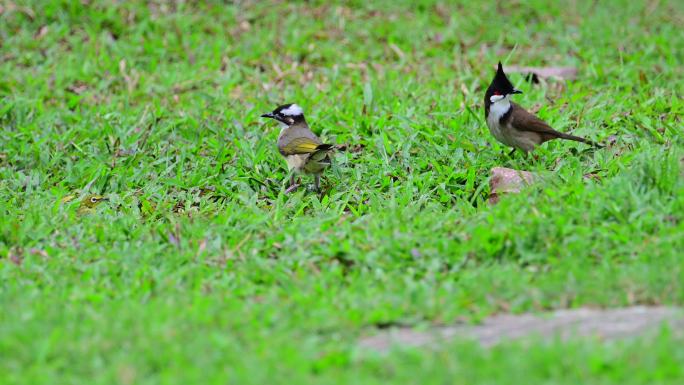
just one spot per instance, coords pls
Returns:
(511, 124)
(303, 150)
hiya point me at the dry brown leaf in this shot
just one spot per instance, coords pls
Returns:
(592, 176)
(353, 148)
(16, 255)
(42, 31)
(562, 73)
(39, 252)
(78, 87)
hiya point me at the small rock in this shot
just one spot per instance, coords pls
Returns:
(507, 180)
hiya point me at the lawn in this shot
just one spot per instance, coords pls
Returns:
(201, 269)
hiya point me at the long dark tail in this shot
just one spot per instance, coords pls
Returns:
(579, 139)
(324, 147)
(321, 152)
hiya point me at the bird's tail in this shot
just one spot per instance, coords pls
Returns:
(324, 147)
(321, 152)
(580, 139)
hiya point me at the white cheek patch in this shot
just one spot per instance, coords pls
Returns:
(293, 110)
(495, 98)
(499, 107)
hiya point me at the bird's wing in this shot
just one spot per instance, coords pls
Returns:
(299, 146)
(525, 121)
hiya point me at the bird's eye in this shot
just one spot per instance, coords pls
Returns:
(93, 200)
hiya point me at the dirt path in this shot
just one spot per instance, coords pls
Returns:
(606, 324)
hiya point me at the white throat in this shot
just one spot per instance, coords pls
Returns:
(500, 105)
(283, 127)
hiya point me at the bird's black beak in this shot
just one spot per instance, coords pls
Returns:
(516, 92)
(269, 115)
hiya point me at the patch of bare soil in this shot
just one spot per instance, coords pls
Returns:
(602, 323)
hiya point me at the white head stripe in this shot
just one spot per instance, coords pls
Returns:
(293, 110)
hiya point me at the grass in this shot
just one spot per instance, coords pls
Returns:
(201, 270)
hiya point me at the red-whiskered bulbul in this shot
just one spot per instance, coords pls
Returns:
(511, 124)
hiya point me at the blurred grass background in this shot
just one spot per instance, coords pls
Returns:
(201, 269)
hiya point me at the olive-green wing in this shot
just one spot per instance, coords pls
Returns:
(299, 146)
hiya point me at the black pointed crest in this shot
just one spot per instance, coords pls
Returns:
(500, 85)
(501, 82)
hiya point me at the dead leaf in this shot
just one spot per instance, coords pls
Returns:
(206, 190)
(536, 73)
(535, 108)
(202, 246)
(173, 239)
(508, 181)
(39, 252)
(42, 31)
(179, 207)
(68, 198)
(351, 148)
(16, 255)
(393, 177)
(397, 51)
(438, 38)
(464, 89)
(77, 88)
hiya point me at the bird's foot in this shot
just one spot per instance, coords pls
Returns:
(292, 188)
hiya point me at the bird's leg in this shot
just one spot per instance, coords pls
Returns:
(317, 182)
(531, 156)
(293, 185)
